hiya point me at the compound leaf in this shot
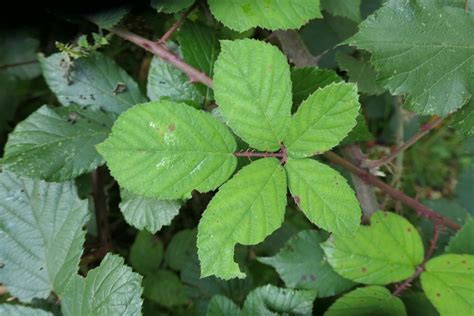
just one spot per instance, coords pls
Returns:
(387, 251)
(110, 289)
(323, 195)
(95, 80)
(322, 120)
(241, 15)
(247, 208)
(370, 300)
(57, 144)
(165, 150)
(301, 264)
(41, 235)
(253, 89)
(430, 57)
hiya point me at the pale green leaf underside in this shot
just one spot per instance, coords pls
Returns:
(385, 252)
(95, 80)
(171, 6)
(448, 282)
(322, 120)
(18, 310)
(148, 213)
(241, 15)
(247, 208)
(220, 305)
(165, 150)
(323, 195)
(370, 300)
(57, 144)
(253, 89)
(268, 299)
(41, 235)
(301, 264)
(110, 289)
(430, 57)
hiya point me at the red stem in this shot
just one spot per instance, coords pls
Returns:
(176, 25)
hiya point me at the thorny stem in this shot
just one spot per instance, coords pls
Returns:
(425, 129)
(407, 283)
(176, 25)
(197, 76)
(282, 154)
(21, 63)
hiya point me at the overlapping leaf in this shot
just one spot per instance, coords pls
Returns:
(430, 57)
(346, 8)
(164, 287)
(146, 253)
(248, 208)
(461, 243)
(323, 195)
(222, 306)
(387, 251)
(241, 15)
(41, 235)
(360, 71)
(307, 80)
(253, 89)
(165, 150)
(57, 144)
(181, 248)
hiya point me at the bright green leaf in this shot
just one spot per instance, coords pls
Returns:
(181, 248)
(387, 251)
(247, 208)
(148, 213)
(361, 72)
(57, 144)
(253, 89)
(448, 283)
(164, 288)
(18, 310)
(165, 150)
(41, 235)
(222, 306)
(93, 80)
(267, 300)
(346, 8)
(110, 289)
(462, 242)
(322, 120)
(301, 265)
(146, 253)
(241, 15)
(370, 300)
(171, 6)
(18, 52)
(323, 195)
(430, 57)
(307, 80)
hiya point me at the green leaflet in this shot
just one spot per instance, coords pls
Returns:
(247, 208)
(41, 235)
(463, 119)
(448, 284)
(19, 49)
(220, 305)
(300, 263)
(146, 253)
(307, 80)
(253, 89)
(95, 80)
(110, 289)
(165, 150)
(370, 300)
(57, 144)
(147, 213)
(171, 6)
(181, 248)
(109, 18)
(18, 310)
(432, 43)
(164, 288)
(267, 300)
(241, 15)
(385, 252)
(346, 8)
(323, 195)
(462, 243)
(322, 120)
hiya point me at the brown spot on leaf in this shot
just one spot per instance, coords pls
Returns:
(171, 128)
(364, 269)
(438, 294)
(409, 229)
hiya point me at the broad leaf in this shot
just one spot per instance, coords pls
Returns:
(171, 6)
(429, 57)
(346, 8)
(370, 300)
(93, 80)
(18, 55)
(165, 150)
(253, 89)
(322, 120)
(323, 195)
(463, 120)
(462, 243)
(41, 235)
(18, 310)
(241, 15)
(110, 289)
(148, 213)
(361, 72)
(267, 300)
(181, 248)
(447, 282)
(307, 80)
(222, 306)
(247, 208)
(107, 19)
(146, 253)
(387, 251)
(57, 144)
(301, 265)
(164, 288)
